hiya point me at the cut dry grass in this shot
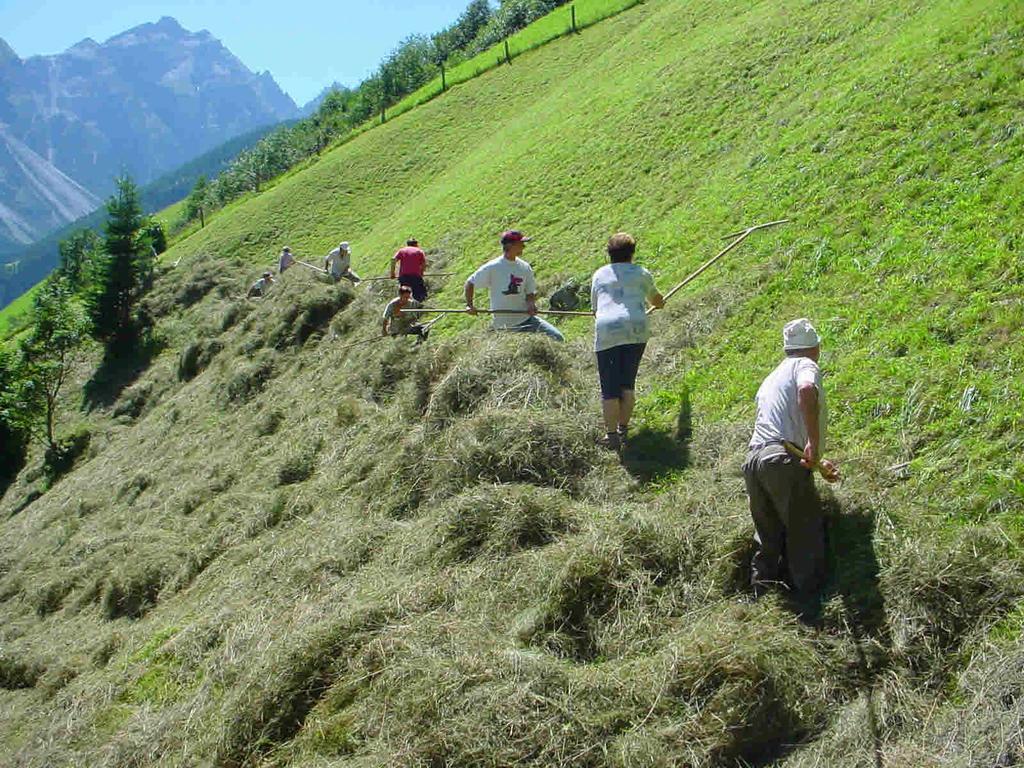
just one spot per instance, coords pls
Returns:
(455, 574)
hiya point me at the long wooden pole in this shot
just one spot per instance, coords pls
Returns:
(388, 277)
(740, 237)
(361, 341)
(311, 266)
(494, 312)
(794, 450)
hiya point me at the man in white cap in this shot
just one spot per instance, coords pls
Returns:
(339, 264)
(789, 530)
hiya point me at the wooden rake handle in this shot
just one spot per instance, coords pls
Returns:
(311, 266)
(557, 312)
(388, 277)
(739, 238)
(794, 450)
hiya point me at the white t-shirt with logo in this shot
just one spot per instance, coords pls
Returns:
(618, 294)
(778, 411)
(508, 283)
(338, 261)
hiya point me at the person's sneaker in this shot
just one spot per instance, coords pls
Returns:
(610, 441)
(623, 433)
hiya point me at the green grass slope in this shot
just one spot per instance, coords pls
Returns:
(282, 550)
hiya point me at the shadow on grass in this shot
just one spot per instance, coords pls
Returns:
(652, 455)
(853, 569)
(852, 574)
(117, 371)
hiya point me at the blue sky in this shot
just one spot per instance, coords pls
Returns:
(306, 44)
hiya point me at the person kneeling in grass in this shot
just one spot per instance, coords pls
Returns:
(396, 323)
(259, 289)
(512, 288)
(619, 293)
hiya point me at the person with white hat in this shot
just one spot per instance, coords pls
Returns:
(789, 528)
(339, 264)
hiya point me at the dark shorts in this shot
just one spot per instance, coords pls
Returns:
(419, 288)
(617, 369)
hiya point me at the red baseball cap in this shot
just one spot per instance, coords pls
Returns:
(513, 236)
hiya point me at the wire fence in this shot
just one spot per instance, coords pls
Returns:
(567, 20)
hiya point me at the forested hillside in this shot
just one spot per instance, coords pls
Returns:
(284, 547)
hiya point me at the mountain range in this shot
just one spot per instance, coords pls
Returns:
(142, 103)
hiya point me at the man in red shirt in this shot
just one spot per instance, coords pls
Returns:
(412, 262)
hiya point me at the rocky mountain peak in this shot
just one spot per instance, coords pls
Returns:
(7, 53)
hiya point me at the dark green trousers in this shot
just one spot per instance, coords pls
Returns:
(789, 528)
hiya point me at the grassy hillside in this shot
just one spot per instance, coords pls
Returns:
(282, 550)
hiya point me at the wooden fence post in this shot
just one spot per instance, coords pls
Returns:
(444, 85)
(573, 9)
(508, 56)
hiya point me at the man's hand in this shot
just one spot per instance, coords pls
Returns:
(531, 307)
(829, 471)
(810, 456)
(470, 309)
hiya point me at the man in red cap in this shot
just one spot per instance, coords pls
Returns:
(412, 262)
(512, 288)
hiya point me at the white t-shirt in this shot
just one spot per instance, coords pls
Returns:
(508, 282)
(339, 261)
(778, 412)
(618, 293)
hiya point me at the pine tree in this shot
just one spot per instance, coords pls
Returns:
(75, 254)
(122, 274)
(197, 201)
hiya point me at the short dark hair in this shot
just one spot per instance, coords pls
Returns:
(412, 241)
(621, 247)
(404, 289)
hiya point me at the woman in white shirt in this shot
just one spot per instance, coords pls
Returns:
(619, 294)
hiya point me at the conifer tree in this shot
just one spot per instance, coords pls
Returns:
(75, 255)
(122, 273)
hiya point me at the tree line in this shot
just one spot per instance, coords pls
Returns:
(93, 296)
(416, 60)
